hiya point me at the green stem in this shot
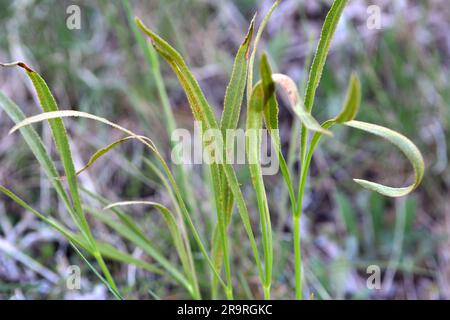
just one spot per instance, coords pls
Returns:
(267, 292)
(266, 231)
(269, 257)
(220, 207)
(105, 270)
(226, 256)
(266, 228)
(229, 289)
(306, 158)
(297, 215)
(267, 246)
(297, 239)
(298, 259)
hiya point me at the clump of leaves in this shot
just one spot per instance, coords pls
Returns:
(262, 110)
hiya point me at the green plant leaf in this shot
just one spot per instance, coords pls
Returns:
(48, 104)
(255, 48)
(405, 145)
(103, 151)
(235, 90)
(171, 224)
(106, 249)
(202, 112)
(230, 117)
(289, 87)
(326, 35)
(151, 56)
(270, 105)
(139, 239)
(149, 144)
(352, 100)
(115, 293)
(37, 147)
(270, 112)
(253, 148)
(200, 107)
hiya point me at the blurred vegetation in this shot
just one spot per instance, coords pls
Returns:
(404, 70)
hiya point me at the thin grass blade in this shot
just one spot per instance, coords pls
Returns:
(139, 239)
(48, 104)
(149, 144)
(253, 148)
(230, 117)
(323, 47)
(270, 113)
(255, 48)
(106, 249)
(38, 148)
(171, 224)
(202, 112)
(115, 293)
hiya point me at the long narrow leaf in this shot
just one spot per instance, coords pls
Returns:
(255, 48)
(106, 249)
(152, 59)
(235, 90)
(202, 112)
(230, 118)
(200, 107)
(139, 239)
(38, 148)
(48, 104)
(99, 153)
(253, 148)
(270, 113)
(148, 143)
(328, 29)
(171, 224)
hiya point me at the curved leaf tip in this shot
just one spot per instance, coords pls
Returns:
(249, 36)
(406, 146)
(133, 202)
(17, 64)
(289, 87)
(145, 29)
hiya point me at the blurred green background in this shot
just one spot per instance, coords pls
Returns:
(404, 70)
